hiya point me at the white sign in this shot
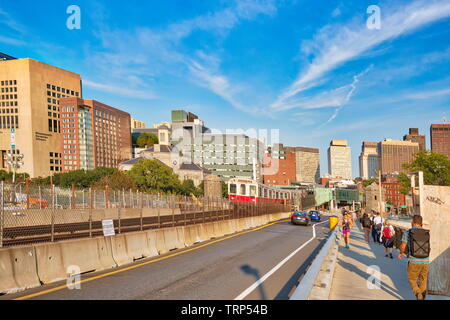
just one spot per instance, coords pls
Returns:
(108, 227)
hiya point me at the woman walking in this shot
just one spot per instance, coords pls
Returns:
(387, 235)
(346, 224)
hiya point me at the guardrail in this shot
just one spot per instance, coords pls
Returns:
(307, 284)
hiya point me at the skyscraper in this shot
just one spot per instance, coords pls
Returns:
(394, 153)
(440, 139)
(29, 104)
(368, 160)
(339, 159)
(414, 136)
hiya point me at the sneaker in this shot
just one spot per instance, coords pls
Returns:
(386, 255)
(391, 256)
(347, 246)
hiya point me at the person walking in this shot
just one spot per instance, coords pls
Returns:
(377, 226)
(346, 225)
(418, 241)
(387, 235)
(366, 225)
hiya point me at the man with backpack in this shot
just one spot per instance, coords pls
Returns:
(367, 226)
(377, 225)
(418, 241)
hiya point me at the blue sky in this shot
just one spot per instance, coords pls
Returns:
(311, 69)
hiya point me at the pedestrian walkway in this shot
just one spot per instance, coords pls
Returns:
(350, 281)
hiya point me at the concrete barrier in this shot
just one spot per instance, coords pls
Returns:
(50, 265)
(82, 253)
(225, 227)
(18, 269)
(242, 224)
(209, 228)
(181, 232)
(105, 255)
(218, 232)
(151, 242)
(191, 235)
(160, 241)
(202, 232)
(137, 245)
(171, 239)
(119, 250)
(233, 225)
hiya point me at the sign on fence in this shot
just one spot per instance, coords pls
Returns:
(108, 227)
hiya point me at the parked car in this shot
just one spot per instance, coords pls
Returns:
(300, 217)
(314, 215)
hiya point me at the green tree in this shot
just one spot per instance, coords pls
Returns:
(368, 182)
(118, 180)
(224, 189)
(435, 167)
(187, 187)
(152, 175)
(146, 139)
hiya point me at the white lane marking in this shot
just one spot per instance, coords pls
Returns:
(247, 291)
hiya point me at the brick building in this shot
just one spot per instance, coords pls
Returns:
(93, 134)
(393, 196)
(440, 139)
(394, 153)
(414, 136)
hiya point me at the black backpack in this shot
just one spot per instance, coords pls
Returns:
(366, 222)
(419, 243)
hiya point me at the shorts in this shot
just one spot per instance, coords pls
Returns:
(345, 231)
(388, 243)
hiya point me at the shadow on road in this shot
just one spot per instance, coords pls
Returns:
(254, 272)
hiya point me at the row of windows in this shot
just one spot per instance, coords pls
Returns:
(6, 90)
(55, 154)
(53, 125)
(9, 110)
(7, 122)
(63, 90)
(9, 96)
(9, 104)
(8, 82)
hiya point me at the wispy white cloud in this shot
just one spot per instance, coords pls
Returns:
(334, 45)
(143, 94)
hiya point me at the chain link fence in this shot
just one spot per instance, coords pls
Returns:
(34, 214)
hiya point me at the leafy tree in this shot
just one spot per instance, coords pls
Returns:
(224, 190)
(153, 175)
(118, 180)
(435, 167)
(187, 187)
(368, 182)
(146, 139)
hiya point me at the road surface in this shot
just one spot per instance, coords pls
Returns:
(219, 269)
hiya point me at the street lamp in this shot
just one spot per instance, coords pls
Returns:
(15, 162)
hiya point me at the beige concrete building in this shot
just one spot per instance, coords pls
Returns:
(29, 103)
(307, 164)
(368, 160)
(394, 153)
(340, 159)
(137, 124)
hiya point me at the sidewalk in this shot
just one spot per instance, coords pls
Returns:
(351, 273)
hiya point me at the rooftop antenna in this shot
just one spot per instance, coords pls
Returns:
(444, 118)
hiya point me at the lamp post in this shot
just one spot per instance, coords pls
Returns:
(15, 162)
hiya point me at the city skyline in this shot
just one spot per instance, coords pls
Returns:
(255, 59)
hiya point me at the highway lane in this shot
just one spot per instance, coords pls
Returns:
(222, 269)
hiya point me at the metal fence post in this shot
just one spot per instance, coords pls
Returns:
(2, 213)
(159, 210)
(53, 214)
(40, 197)
(203, 209)
(173, 202)
(185, 211)
(131, 199)
(142, 209)
(90, 211)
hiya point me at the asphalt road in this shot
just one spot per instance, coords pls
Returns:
(221, 269)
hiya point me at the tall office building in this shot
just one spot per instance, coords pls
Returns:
(414, 136)
(440, 139)
(340, 159)
(93, 134)
(368, 160)
(284, 165)
(307, 164)
(29, 104)
(394, 153)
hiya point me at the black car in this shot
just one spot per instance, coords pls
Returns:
(300, 217)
